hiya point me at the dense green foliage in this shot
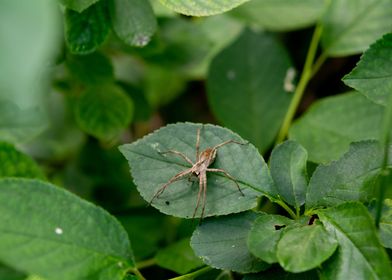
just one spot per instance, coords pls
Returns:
(105, 108)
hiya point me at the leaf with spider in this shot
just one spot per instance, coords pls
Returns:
(152, 167)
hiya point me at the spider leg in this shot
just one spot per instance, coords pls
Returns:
(227, 175)
(228, 142)
(179, 154)
(198, 144)
(176, 177)
(204, 179)
(198, 196)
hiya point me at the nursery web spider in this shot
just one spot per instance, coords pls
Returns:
(199, 169)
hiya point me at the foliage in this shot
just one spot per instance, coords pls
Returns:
(296, 185)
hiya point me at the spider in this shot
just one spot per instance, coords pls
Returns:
(199, 169)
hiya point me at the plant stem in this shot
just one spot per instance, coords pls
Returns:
(303, 82)
(287, 208)
(193, 275)
(145, 263)
(137, 273)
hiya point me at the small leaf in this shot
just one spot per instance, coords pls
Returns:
(360, 254)
(332, 123)
(373, 76)
(86, 31)
(351, 26)
(104, 111)
(201, 7)
(151, 170)
(17, 164)
(246, 87)
(229, 251)
(288, 170)
(91, 69)
(178, 257)
(303, 248)
(78, 5)
(133, 21)
(281, 15)
(50, 232)
(264, 236)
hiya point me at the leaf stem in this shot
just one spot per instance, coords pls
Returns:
(287, 208)
(145, 263)
(137, 273)
(303, 82)
(193, 275)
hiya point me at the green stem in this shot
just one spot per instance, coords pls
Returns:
(193, 275)
(137, 273)
(287, 208)
(303, 82)
(145, 263)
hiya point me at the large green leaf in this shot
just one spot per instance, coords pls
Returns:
(17, 164)
(78, 5)
(51, 232)
(202, 7)
(303, 248)
(352, 177)
(133, 21)
(351, 26)
(246, 87)
(178, 257)
(281, 15)
(373, 74)
(264, 236)
(151, 169)
(221, 243)
(288, 170)
(360, 254)
(86, 31)
(332, 123)
(104, 111)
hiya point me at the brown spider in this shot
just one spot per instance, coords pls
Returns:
(199, 169)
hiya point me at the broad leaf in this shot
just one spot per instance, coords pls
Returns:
(201, 7)
(229, 251)
(151, 168)
(246, 87)
(288, 170)
(104, 111)
(373, 74)
(78, 5)
(352, 177)
(331, 124)
(91, 69)
(281, 15)
(51, 232)
(133, 21)
(86, 31)
(17, 164)
(304, 248)
(178, 257)
(264, 236)
(360, 254)
(351, 26)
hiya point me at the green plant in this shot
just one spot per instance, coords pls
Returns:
(314, 200)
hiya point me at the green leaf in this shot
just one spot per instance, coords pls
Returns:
(351, 26)
(151, 169)
(50, 232)
(133, 21)
(221, 243)
(385, 226)
(17, 164)
(104, 111)
(331, 124)
(91, 69)
(246, 87)
(351, 178)
(78, 5)
(178, 257)
(202, 7)
(360, 254)
(86, 31)
(373, 75)
(288, 170)
(281, 15)
(279, 274)
(264, 236)
(303, 248)
(7, 273)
